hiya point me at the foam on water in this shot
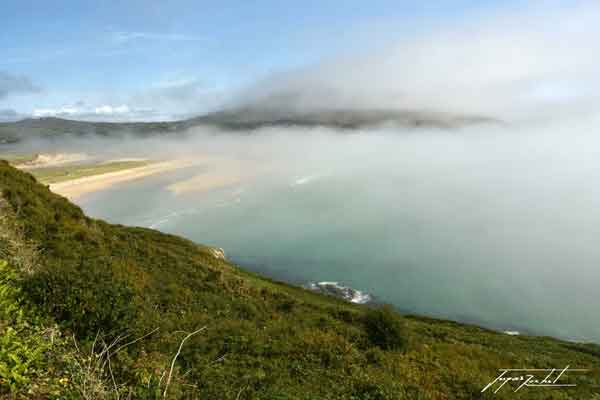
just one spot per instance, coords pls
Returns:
(343, 292)
(304, 180)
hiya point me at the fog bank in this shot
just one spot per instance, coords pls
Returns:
(535, 62)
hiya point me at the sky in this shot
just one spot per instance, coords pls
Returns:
(152, 60)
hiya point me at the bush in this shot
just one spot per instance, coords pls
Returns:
(87, 299)
(26, 344)
(386, 328)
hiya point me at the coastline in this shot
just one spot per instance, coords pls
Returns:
(76, 188)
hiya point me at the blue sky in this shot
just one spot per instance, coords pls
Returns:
(157, 59)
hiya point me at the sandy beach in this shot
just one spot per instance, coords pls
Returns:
(221, 173)
(76, 188)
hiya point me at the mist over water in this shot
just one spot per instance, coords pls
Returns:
(496, 225)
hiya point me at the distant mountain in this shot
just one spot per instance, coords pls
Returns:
(240, 119)
(255, 118)
(51, 128)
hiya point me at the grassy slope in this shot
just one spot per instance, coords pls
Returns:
(263, 339)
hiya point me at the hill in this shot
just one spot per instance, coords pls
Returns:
(100, 311)
(54, 128)
(249, 118)
(246, 118)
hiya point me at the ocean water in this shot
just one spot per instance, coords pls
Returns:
(475, 247)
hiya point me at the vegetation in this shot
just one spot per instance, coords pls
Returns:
(145, 315)
(17, 158)
(52, 128)
(386, 328)
(28, 345)
(49, 175)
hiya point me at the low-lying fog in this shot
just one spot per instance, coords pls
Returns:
(497, 225)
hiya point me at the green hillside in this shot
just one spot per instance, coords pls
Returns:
(90, 310)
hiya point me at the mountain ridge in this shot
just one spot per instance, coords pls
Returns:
(239, 119)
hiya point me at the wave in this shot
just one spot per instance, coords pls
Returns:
(306, 179)
(340, 291)
(169, 217)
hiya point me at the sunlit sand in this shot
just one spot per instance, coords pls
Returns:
(76, 188)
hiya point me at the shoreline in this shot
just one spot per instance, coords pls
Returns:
(76, 188)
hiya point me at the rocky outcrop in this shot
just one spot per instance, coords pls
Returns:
(218, 253)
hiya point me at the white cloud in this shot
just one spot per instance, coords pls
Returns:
(169, 99)
(103, 112)
(110, 110)
(53, 112)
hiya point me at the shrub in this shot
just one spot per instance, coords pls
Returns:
(374, 356)
(86, 298)
(385, 328)
(25, 343)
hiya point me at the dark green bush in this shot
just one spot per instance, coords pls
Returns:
(88, 298)
(374, 356)
(386, 328)
(367, 391)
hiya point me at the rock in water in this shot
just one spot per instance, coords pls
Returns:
(340, 291)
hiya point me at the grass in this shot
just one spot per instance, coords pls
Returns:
(29, 345)
(48, 175)
(17, 158)
(141, 293)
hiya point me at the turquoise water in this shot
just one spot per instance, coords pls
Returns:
(468, 247)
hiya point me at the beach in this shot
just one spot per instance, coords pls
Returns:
(220, 172)
(75, 188)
